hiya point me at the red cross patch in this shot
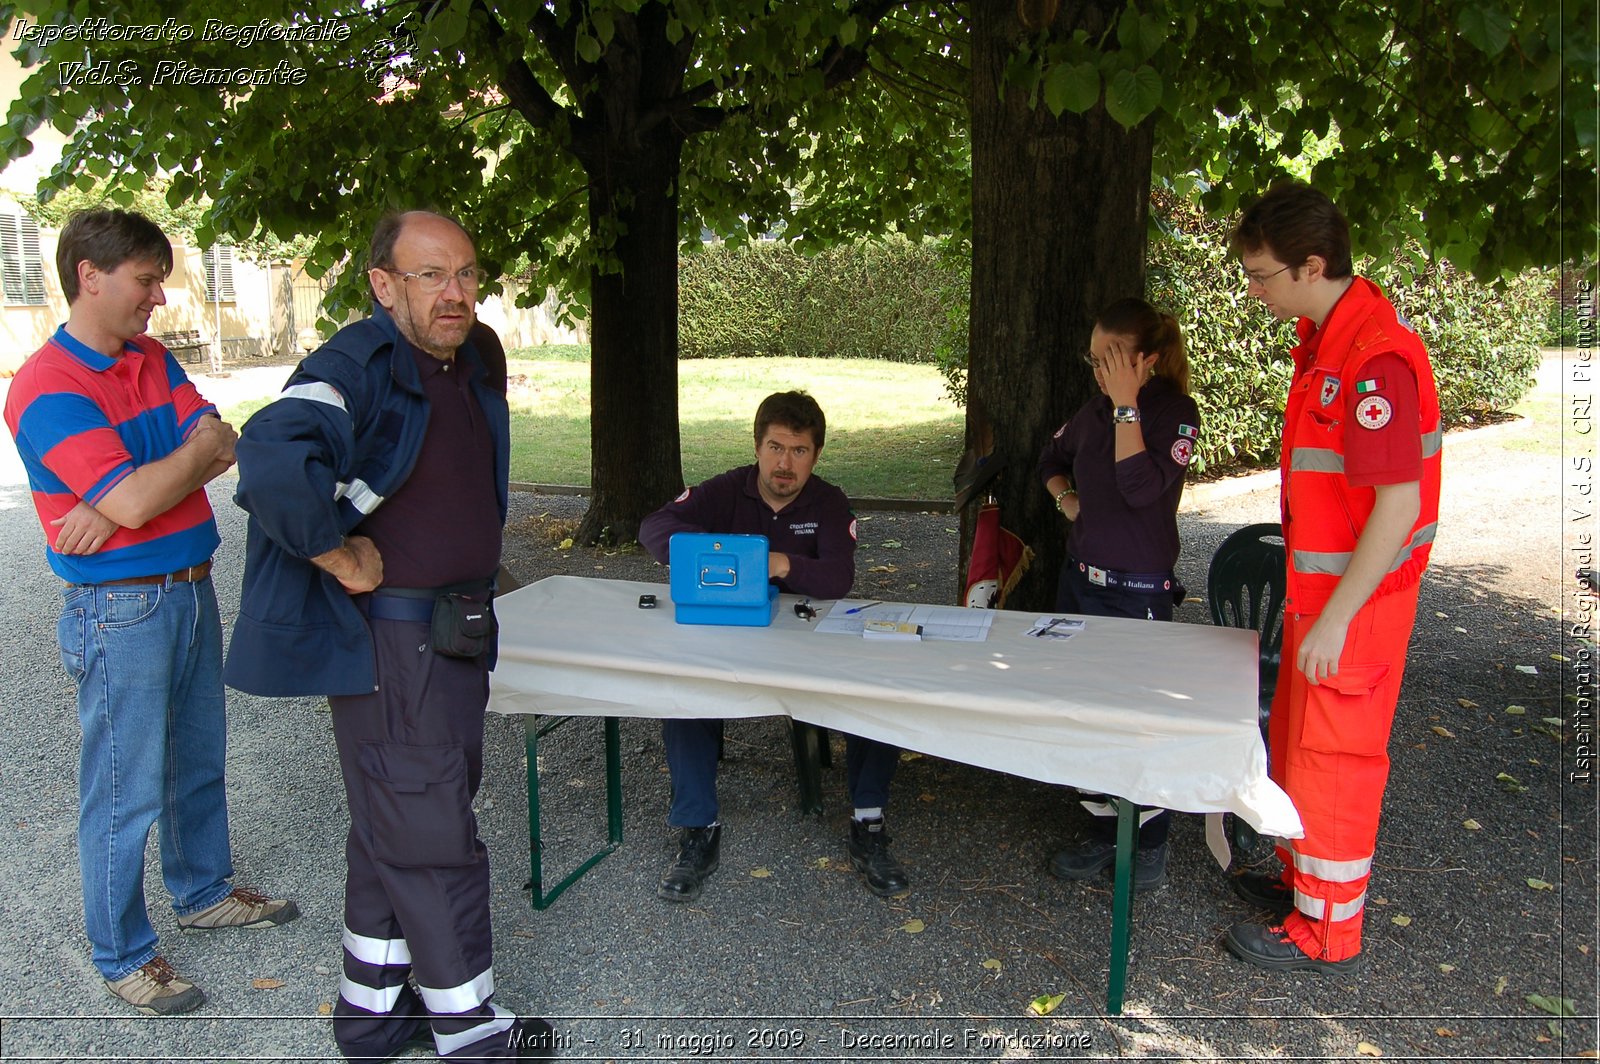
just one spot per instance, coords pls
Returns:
(684, 496)
(852, 528)
(1182, 450)
(1330, 388)
(1373, 413)
(1060, 430)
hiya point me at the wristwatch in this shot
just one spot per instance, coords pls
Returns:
(1125, 415)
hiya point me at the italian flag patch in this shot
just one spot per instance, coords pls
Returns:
(1363, 387)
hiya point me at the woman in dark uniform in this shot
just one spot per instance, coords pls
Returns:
(1115, 470)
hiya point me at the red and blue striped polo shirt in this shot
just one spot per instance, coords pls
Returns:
(82, 423)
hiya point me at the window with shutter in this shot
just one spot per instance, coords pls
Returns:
(219, 274)
(21, 264)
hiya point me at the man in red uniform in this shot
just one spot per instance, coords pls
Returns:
(1360, 464)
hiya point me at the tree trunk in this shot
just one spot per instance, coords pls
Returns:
(1059, 208)
(635, 464)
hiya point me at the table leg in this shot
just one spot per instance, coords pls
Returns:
(1121, 902)
(532, 731)
(810, 753)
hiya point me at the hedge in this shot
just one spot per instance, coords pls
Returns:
(907, 302)
(879, 299)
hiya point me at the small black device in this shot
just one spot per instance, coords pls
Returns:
(804, 609)
(647, 602)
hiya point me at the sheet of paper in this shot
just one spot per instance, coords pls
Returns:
(1055, 627)
(954, 623)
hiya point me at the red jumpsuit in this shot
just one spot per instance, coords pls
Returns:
(1362, 411)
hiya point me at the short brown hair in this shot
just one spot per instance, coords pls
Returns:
(793, 410)
(108, 238)
(1153, 332)
(1295, 221)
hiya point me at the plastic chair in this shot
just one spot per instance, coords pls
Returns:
(1246, 587)
(812, 754)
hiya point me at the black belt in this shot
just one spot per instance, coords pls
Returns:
(416, 603)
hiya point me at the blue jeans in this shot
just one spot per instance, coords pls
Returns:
(147, 660)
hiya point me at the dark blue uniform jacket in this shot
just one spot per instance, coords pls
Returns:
(339, 440)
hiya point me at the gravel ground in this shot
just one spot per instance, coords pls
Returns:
(802, 963)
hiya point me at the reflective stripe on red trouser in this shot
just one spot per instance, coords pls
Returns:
(1329, 748)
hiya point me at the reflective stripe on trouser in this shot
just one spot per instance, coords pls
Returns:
(1329, 749)
(417, 876)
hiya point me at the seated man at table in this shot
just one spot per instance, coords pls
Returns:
(812, 535)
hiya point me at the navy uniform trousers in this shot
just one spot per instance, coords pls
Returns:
(692, 746)
(416, 899)
(1076, 594)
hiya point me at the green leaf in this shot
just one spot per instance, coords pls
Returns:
(1128, 29)
(1485, 28)
(449, 26)
(1153, 33)
(847, 31)
(1045, 1004)
(1584, 123)
(1555, 1006)
(588, 48)
(1133, 95)
(1072, 87)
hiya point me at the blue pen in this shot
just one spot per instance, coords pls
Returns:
(858, 609)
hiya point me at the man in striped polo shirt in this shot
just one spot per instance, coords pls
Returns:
(118, 446)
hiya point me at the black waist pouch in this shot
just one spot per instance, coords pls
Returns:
(463, 626)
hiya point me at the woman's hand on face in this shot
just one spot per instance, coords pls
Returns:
(1125, 372)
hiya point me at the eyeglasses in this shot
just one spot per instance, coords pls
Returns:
(1262, 278)
(1092, 362)
(438, 280)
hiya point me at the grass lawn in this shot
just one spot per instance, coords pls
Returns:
(891, 430)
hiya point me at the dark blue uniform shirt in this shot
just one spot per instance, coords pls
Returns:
(816, 529)
(1129, 517)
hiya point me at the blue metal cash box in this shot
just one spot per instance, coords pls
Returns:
(721, 580)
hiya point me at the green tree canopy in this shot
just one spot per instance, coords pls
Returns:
(583, 143)
(587, 141)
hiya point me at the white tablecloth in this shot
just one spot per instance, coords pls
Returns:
(1163, 714)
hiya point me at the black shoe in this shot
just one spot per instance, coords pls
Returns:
(699, 854)
(1090, 858)
(1265, 892)
(1271, 948)
(532, 1038)
(869, 855)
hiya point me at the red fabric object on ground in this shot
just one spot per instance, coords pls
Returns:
(998, 561)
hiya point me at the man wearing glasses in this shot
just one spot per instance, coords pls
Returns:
(376, 486)
(1361, 444)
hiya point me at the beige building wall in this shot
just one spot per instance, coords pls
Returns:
(244, 323)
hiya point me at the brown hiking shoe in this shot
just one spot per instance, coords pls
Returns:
(157, 990)
(242, 907)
